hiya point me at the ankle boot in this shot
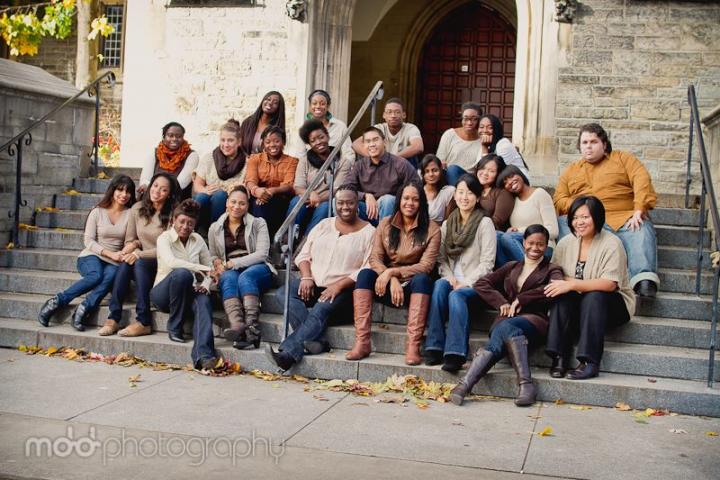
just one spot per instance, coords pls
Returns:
(417, 317)
(236, 317)
(518, 355)
(481, 364)
(251, 303)
(362, 313)
(47, 310)
(81, 312)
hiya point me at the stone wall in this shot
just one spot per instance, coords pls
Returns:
(200, 66)
(56, 57)
(629, 67)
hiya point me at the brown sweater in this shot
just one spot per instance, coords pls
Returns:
(498, 205)
(500, 287)
(139, 230)
(410, 258)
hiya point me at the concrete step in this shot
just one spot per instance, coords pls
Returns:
(663, 331)
(62, 239)
(39, 259)
(682, 258)
(91, 185)
(670, 235)
(688, 217)
(676, 305)
(82, 201)
(68, 219)
(682, 396)
(683, 281)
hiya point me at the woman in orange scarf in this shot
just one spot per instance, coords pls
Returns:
(174, 156)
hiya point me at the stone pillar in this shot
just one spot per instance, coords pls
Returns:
(329, 53)
(711, 134)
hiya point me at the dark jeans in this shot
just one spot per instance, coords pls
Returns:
(309, 319)
(584, 316)
(507, 329)
(212, 206)
(308, 217)
(420, 283)
(453, 174)
(143, 272)
(451, 307)
(173, 296)
(273, 212)
(97, 278)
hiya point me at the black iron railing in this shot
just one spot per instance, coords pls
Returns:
(326, 172)
(15, 145)
(707, 199)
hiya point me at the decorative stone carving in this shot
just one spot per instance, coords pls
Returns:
(295, 9)
(565, 10)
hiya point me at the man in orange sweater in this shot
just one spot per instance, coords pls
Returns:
(624, 186)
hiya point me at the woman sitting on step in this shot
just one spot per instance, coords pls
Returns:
(173, 155)
(239, 247)
(217, 173)
(594, 295)
(104, 239)
(183, 281)
(148, 219)
(329, 263)
(403, 256)
(517, 290)
(467, 253)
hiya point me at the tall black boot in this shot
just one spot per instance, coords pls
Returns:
(518, 355)
(483, 361)
(79, 315)
(47, 310)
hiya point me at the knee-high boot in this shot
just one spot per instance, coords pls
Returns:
(362, 313)
(251, 304)
(236, 317)
(518, 355)
(417, 317)
(481, 364)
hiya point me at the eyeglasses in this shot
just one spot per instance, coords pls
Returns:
(584, 218)
(470, 119)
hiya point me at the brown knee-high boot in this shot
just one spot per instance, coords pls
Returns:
(483, 361)
(518, 354)
(362, 309)
(417, 317)
(251, 304)
(236, 317)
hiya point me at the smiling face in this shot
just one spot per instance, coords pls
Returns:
(273, 145)
(394, 115)
(465, 199)
(173, 137)
(184, 226)
(237, 205)
(470, 118)
(431, 173)
(229, 143)
(410, 202)
(160, 190)
(591, 147)
(485, 127)
(121, 195)
(319, 142)
(488, 174)
(583, 223)
(346, 205)
(318, 107)
(374, 144)
(271, 104)
(514, 184)
(535, 246)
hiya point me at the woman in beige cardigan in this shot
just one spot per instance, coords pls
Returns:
(594, 295)
(467, 252)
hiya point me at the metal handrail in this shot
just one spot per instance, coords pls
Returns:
(707, 191)
(289, 224)
(15, 145)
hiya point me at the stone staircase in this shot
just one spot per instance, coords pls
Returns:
(658, 360)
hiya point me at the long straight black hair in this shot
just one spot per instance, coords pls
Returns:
(118, 181)
(250, 124)
(147, 209)
(423, 217)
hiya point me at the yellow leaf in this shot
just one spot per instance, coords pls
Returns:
(559, 401)
(623, 407)
(51, 351)
(48, 209)
(25, 226)
(580, 407)
(22, 348)
(220, 362)
(9, 246)
(102, 176)
(649, 412)
(72, 191)
(711, 434)
(546, 432)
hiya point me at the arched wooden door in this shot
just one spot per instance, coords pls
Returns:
(470, 56)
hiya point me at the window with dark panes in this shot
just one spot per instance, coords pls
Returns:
(112, 44)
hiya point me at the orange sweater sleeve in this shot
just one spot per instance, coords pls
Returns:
(251, 173)
(289, 176)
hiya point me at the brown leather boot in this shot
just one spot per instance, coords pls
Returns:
(483, 361)
(236, 317)
(417, 317)
(251, 304)
(362, 313)
(517, 352)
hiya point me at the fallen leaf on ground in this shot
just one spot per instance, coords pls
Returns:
(545, 432)
(51, 351)
(102, 176)
(391, 400)
(623, 407)
(677, 430)
(652, 380)
(9, 246)
(456, 421)
(25, 226)
(535, 417)
(640, 418)
(422, 405)
(71, 191)
(359, 404)
(711, 434)
(48, 209)
(559, 401)
(321, 398)
(580, 407)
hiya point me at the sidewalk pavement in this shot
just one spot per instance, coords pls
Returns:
(62, 419)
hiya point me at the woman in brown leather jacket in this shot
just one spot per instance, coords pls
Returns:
(404, 253)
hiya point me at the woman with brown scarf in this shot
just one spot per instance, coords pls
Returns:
(467, 252)
(218, 172)
(173, 155)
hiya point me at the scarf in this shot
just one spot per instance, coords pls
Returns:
(172, 161)
(459, 237)
(315, 160)
(227, 168)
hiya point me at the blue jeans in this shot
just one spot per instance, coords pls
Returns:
(173, 296)
(451, 307)
(212, 206)
(143, 272)
(453, 174)
(386, 206)
(318, 214)
(640, 246)
(510, 247)
(419, 283)
(309, 319)
(507, 329)
(252, 280)
(97, 278)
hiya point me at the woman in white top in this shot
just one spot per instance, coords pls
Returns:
(532, 206)
(98, 263)
(438, 192)
(459, 147)
(318, 109)
(467, 252)
(173, 155)
(492, 140)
